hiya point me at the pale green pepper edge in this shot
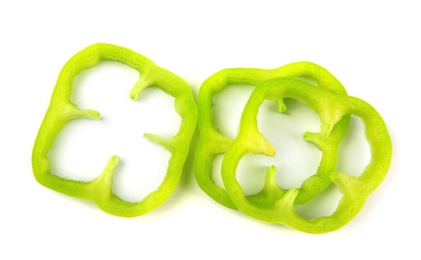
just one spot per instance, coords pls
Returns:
(62, 110)
(213, 142)
(331, 108)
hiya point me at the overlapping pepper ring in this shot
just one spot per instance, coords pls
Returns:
(331, 108)
(62, 110)
(213, 142)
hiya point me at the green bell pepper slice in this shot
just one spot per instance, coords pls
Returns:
(331, 108)
(213, 142)
(62, 110)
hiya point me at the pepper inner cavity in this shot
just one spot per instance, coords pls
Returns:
(84, 146)
(295, 159)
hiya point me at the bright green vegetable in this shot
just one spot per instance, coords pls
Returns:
(213, 142)
(272, 204)
(331, 108)
(62, 110)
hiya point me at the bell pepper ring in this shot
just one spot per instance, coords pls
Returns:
(331, 108)
(61, 111)
(213, 142)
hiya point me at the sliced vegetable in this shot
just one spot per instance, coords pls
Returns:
(213, 142)
(331, 108)
(62, 110)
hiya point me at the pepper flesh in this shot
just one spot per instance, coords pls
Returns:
(62, 110)
(331, 108)
(213, 142)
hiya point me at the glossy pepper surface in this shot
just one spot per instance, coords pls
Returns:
(331, 108)
(62, 110)
(213, 142)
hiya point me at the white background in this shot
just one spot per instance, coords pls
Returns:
(372, 47)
